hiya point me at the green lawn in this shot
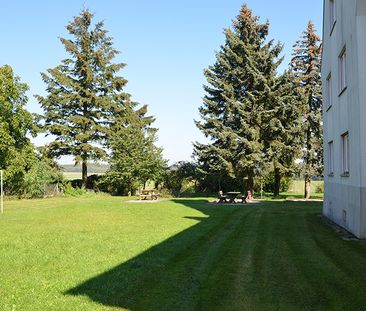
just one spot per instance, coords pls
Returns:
(103, 253)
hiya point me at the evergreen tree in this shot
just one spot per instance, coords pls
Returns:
(240, 84)
(282, 130)
(213, 176)
(306, 68)
(17, 154)
(135, 159)
(85, 95)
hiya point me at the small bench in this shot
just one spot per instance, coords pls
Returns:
(221, 197)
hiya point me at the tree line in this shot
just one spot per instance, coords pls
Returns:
(259, 121)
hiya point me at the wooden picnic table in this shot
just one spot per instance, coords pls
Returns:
(232, 196)
(149, 195)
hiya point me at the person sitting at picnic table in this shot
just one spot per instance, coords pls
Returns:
(249, 196)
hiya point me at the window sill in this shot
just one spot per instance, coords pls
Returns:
(346, 174)
(343, 90)
(332, 28)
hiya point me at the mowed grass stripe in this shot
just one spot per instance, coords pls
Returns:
(340, 266)
(319, 273)
(223, 288)
(178, 285)
(302, 289)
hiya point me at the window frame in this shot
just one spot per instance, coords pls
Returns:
(342, 68)
(331, 158)
(332, 15)
(329, 91)
(345, 154)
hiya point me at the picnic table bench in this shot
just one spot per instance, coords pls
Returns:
(222, 198)
(149, 195)
(230, 197)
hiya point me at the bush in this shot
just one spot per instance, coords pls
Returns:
(115, 184)
(319, 188)
(37, 180)
(173, 183)
(188, 186)
(269, 183)
(75, 187)
(70, 191)
(93, 182)
(76, 183)
(285, 184)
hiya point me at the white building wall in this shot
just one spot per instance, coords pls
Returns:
(361, 39)
(345, 196)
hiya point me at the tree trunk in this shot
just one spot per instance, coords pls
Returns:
(307, 187)
(84, 169)
(277, 182)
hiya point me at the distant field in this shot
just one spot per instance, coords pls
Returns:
(76, 175)
(297, 186)
(71, 171)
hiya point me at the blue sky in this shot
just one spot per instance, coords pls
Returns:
(166, 45)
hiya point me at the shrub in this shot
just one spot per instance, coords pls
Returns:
(69, 190)
(319, 188)
(93, 182)
(188, 186)
(269, 183)
(37, 180)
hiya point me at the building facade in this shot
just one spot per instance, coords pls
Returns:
(344, 113)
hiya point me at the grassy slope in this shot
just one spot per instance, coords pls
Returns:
(96, 253)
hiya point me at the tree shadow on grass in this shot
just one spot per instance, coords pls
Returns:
(168, 275)
(235, 258)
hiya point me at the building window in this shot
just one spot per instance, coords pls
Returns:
(330, 158)
(342, 70)
(329, 91)
(345, 154)
(332, 15)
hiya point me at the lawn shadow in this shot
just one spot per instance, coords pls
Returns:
(168, 275)
(247, 257)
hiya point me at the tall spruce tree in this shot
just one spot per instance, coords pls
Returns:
(85, 93)
(306, 69)
(240, 84)
(213, 169)
(282, 130)
(135, 159)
